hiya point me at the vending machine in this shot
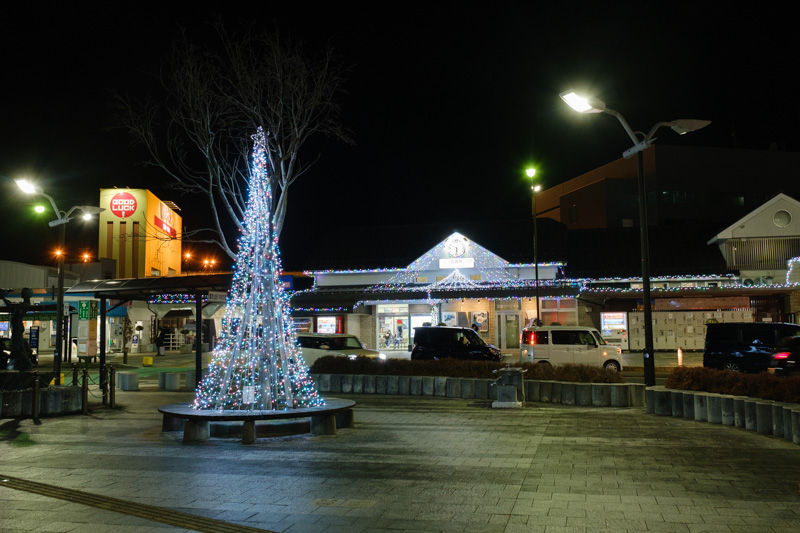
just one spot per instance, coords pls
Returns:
(614, 328)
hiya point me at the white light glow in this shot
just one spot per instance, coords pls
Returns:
(578, 103)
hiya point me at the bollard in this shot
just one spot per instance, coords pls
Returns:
(85, 392)
(35, 406)
(74, 374)
(112, 393)
(103, 384)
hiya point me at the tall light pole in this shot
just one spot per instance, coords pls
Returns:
(63, 217)
(531, 172)
(584, 104)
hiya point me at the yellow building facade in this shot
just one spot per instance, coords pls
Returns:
(140, 231)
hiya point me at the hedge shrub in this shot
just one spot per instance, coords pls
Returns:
(765, 386)
(460, 369)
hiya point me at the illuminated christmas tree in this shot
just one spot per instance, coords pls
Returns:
(256, 364)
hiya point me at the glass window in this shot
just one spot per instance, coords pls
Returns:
(565, 337)
(586, 338)
(473, 338)
(599, 338)
(757, 336)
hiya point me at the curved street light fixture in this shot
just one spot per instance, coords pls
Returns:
(589, 104)
(63, 217)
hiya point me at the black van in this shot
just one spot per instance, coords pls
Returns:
(745, 346)
(438, 342)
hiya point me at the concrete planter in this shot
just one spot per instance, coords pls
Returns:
(358, 384)
(796, 426)
(52, 401)
(620, 396)
(583, 394)
(391, 384)
(636, 394)
(662, 402)
(700, 406)
(415, 385)
(568, 393)
(381, 383)
(467, 388)
(688, 405)
(532, 390)
(601, 394)
(440, 386)
(347, 383)
(369, 384)
(453, 388)
(545, 390)
(788, 426)
(739, 416)
(555, 392)
(428, 386)
(403, 385)
(728, 410)
(127, 381)
(482, 389)
(335, 383)
(777, 419)
(676, 403)
(750, 415)
(764, 417)
(714, 409)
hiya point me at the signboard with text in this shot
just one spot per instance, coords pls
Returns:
(457, 262)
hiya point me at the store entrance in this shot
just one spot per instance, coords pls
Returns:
(507, 330)
(393, 327)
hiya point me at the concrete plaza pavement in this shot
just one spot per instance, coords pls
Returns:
(410, 464)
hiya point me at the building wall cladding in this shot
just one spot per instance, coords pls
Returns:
(685, 185)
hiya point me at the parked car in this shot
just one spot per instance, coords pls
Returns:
(745, 346)
(439, 342)
(786, 361)
(558, 345)
(316, 345)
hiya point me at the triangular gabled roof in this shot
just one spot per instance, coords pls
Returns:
(449, 255)
(456, 245)
(778, 217)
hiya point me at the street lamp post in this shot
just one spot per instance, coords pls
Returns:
(63, 218)
(641, 142)
(531, 172)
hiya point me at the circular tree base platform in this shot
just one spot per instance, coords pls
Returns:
(196, 422)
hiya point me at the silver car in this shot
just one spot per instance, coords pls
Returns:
(316, 345)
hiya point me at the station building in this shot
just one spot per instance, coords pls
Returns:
(589, 269)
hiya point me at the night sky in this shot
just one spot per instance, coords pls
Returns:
(447, 103)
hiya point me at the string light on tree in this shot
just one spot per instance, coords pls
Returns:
(257, 364)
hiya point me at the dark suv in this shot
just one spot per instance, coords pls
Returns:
(786, 361)
(437, 342)
(745, 346)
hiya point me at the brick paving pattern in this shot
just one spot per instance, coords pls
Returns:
(410, 465)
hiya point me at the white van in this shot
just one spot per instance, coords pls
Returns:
(558, 345)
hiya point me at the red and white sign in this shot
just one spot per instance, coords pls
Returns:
(165, 227)
(123, 204)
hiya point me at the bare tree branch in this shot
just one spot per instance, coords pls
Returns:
(214, 98)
